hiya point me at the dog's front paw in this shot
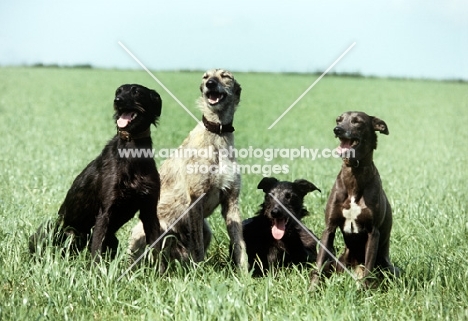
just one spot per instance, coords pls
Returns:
(368, 283)
(239, 257)
(242, 263)
(314, 280)
(244, 266)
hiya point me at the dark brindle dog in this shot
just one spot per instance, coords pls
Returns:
(273, 238)
(357, 203)
(113, 187)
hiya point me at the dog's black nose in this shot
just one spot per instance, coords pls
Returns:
(211, 83)
(338, 131)
(275, 212)
(119, 101)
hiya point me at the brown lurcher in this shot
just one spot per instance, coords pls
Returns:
(357, 203)
(183, 181)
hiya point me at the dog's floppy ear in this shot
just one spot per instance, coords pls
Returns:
(379, 125)
(304, 186)
(267, 183)
(156, 99)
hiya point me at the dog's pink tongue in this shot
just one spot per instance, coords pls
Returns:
(278, 228)
(345, 145)
(213, 98)
(124, 119)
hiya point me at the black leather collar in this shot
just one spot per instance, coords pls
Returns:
(216, 127)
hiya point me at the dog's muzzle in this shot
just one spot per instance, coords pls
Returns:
(339, 131)
(211, 84)
(347, 142)
(214, 93)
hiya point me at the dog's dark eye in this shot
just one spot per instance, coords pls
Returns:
(287, 196)
(228, 76)
(339, 119)
(205, 76)
(356, 121)
(136, 92)
(118, 91)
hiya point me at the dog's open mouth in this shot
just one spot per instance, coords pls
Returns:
(279, 227)
(346, 145)
(214, 97)
(126, 118)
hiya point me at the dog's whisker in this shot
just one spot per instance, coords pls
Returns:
(313, 236)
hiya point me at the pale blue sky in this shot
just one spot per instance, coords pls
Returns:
(400, 38)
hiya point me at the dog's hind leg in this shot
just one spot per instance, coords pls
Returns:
(137, 242)
(197, 229)
(46, 232)
(54, 233)
(206, 235)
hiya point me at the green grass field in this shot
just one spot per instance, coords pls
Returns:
(55, 121)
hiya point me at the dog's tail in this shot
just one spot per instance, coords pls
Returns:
(44, 235)
(53, 233)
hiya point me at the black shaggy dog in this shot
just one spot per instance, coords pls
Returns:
(273, 238)
(114, 186)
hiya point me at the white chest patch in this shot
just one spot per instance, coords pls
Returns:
(227, 173)
(350, 216)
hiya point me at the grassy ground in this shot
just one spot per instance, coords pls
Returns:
(54, 121)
